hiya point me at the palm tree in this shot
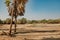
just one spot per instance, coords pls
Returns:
(15, 8)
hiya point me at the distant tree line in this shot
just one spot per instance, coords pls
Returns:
(25, 21)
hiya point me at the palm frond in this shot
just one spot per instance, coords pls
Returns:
(24, 1)
(7, 3)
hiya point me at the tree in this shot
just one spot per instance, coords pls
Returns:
(43, 21)
(19, 21)
(34, 21)
(15, 8)
(50, 21)
(28, 21)
(56, 21)
(23, 21)
(1, 21)
(8, 20)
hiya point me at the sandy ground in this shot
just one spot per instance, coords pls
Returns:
(32, 31)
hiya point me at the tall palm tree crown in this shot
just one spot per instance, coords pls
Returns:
(20, 7)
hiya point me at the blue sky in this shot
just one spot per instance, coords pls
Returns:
(36, 9)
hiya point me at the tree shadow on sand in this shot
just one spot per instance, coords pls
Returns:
(51, 39)
(7, 34)
(35, 31)
(24, 31)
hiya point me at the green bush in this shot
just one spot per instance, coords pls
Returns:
(23, 21)
(8, 21)
(1, 21)
(43, 21)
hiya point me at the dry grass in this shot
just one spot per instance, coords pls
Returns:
(33, 32)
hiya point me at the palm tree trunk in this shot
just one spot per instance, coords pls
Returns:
(15, 24)
(15, 10)
(11, 25)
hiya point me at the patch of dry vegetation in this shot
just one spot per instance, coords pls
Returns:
(28, 31)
